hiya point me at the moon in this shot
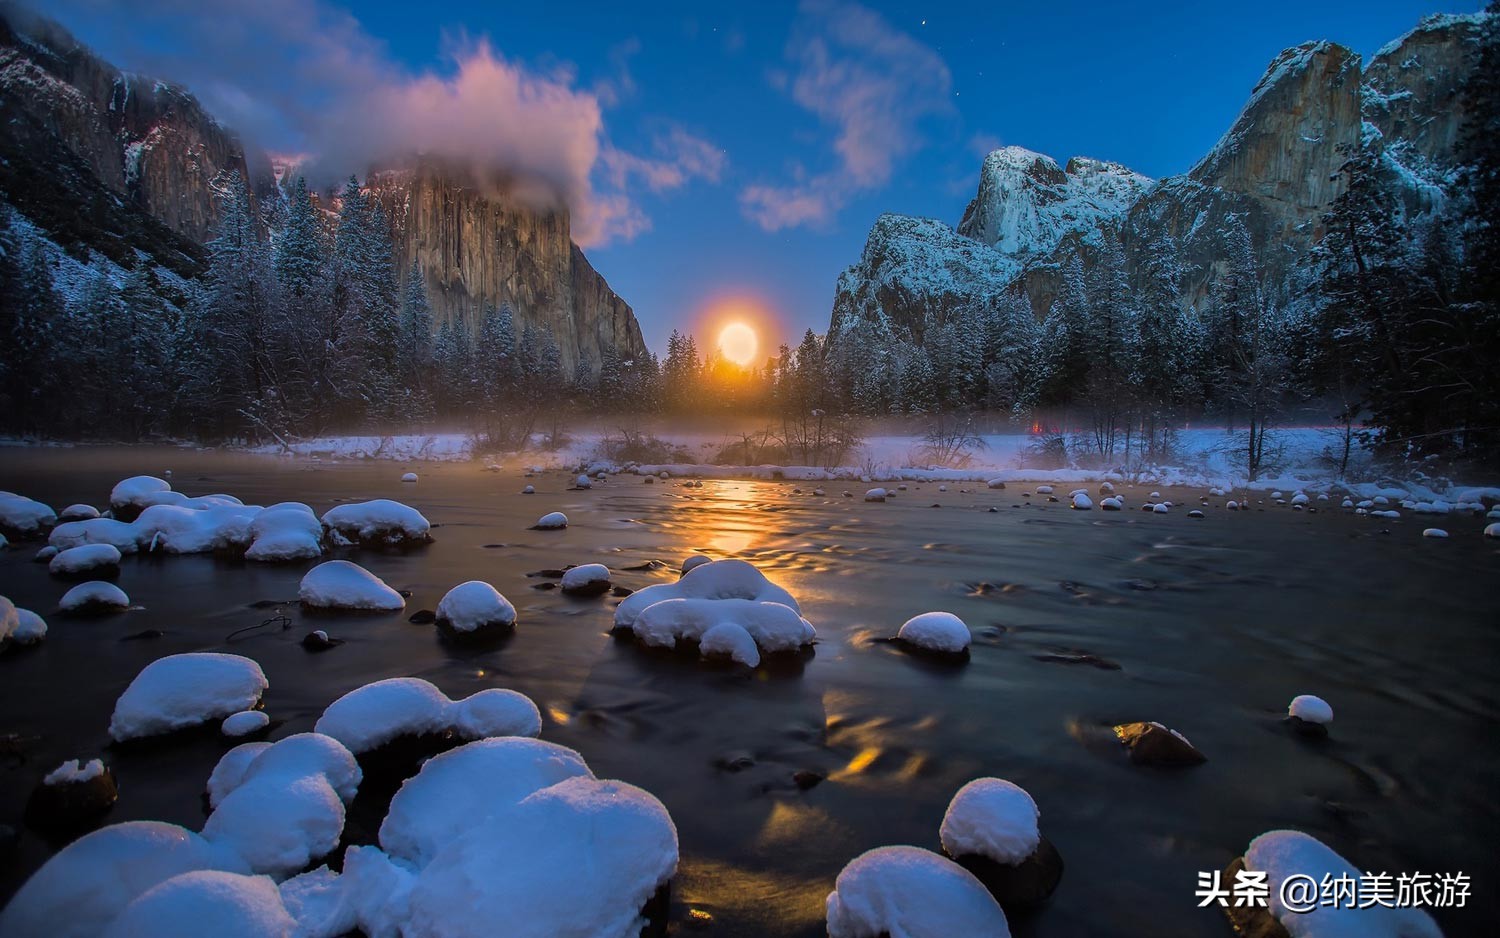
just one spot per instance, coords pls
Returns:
(738, 343)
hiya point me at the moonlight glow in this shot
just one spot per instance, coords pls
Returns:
(738, 343)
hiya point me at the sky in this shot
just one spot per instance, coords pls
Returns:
(728, 150)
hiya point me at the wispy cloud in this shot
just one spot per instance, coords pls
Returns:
(305, 76)
(873, 85)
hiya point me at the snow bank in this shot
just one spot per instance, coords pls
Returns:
(286, 809)
(1286, 853)
(936, 631)
(185, 690)
(23, 517)
(87, 884)
(906, 892)
(207, 902)
(379, 522)
(85, 559)
(992, 818)
(94, 598)
(339, 584)
(469, 786)
(475, 606)
(371, 716)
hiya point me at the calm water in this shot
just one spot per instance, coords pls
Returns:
(1215, 624)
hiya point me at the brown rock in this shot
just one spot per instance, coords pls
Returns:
(1154, 744)
(1022, 884)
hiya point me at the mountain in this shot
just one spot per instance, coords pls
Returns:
(1277, 168)
(102, 163)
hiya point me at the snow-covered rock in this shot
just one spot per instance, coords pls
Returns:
(589, 579)
(286, 532)
(1434, 532)
(1311, 709)
(180, 691)
(1492, 530)
(94, 598)
(375, 714)
(1300, 499)
(469, 786)
(79, 512)
(696, 560)
(207, 902)
(22, 517)
(86, 559)
(29, 629)
(229, 771)
(138, 492)
(993, 818)
(1283, 854)
(911, 893)
(1044, 490)
(1112, 503)
(286, 808)
(584, 482)
(409, 477)
(876, 495)
(731, 640)
(381, 522)
(1082, 502)
(1160, 508)
(475, 607)
(72, 797)
(339, 584)
(528, 490)
(86, 885)
(244, 723)
(551, 521)
(941, 632)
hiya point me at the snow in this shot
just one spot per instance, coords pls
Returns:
(83, 559)
(1285, 853)
(581, 576)
(432, 447)
(583, 482)
(287, 807)
(30, 628)
(340, 584)
(730, 638)
(475, 605)
(244, 723)
(87, 884)
(172, 529)
(1082, 502)
(139, 493)
(907, 892)
(992, 818)
(371, 716)
(693, 562)
(206, 902)
(552, 521)
(381, 521)
(94, 596)
(717, 592)
(286, 532)
(409, 477)
(78, 512)
(936, 631)
(229, 771)
(1434, 532)
(23, 516)
(469, 786)
(1112, 503)
(1492, 530)
(578, 859)
(184, 690)
(528, 490)
(1310, 708)
(74, 771)
(875, 495)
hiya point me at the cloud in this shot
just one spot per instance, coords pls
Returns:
(305, 76)
(873, 86)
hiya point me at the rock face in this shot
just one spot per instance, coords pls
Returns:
(1276, 168)
(106, 161)
(478, 247)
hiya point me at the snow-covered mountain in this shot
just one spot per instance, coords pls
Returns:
(1276, 167)
(109, 167)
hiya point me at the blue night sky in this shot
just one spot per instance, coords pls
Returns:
(745, 149)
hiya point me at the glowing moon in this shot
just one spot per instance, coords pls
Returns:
(738, 343)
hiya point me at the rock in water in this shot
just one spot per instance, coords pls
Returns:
(72, 797)
(1154, 744)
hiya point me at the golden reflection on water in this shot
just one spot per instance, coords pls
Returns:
(774, 901)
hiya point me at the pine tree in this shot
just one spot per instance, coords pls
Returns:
(30, 313)
(414, 357)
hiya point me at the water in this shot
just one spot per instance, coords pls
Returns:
(1215, 625)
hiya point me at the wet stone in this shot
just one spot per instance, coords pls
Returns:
(1018, 885)
(1154, 744)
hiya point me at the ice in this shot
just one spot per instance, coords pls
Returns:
(993, 818)
(95, 596)
(23, 517)
(371, 716)
(287, 809)
(285, 532)
(469, 786)
(244, 723)
(475, 605)
(551, 521)
(1286, 853)
(907, 892)
(936, 631)
(87, 884)
(730, 638)
(379, 522)
(76, 561)
(340, 584)
(207, 902)
(180, 691)
(1310, 708)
